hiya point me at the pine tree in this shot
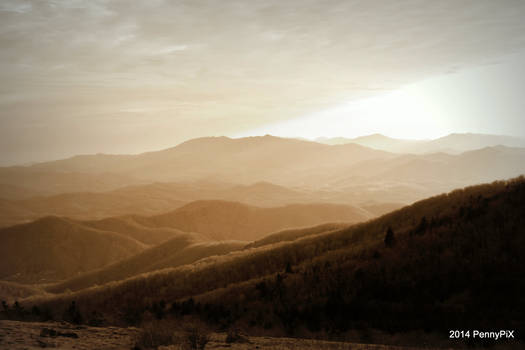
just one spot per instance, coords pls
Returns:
(390, 240)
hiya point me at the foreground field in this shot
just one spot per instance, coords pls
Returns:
(16, 335)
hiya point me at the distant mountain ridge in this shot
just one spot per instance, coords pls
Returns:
(348, 173)
(156, 198)
(454, 143)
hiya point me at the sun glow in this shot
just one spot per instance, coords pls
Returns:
(466, 101)
(404, 113)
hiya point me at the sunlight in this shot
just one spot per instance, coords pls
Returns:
(405, 113)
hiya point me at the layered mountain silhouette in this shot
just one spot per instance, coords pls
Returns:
(55, 248)
(161, 197)
(453, 143)
(286, 162)
(260, 171)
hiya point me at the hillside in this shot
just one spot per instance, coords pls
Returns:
(178, 251)
(128, 226)
(12, 291)
(55, 248)
(221, 220)
(62, 248)
(447, 259)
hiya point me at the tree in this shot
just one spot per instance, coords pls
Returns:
(390, 240)
(288, 268)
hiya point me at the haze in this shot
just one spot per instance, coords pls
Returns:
(109, 76)
(266, 174)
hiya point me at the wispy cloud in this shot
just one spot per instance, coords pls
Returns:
(240, 63)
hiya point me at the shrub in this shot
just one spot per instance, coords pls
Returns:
(196, 337)
(234, 335)
(154, 335)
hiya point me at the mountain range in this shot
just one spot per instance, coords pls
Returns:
(453, 143)
(261, 171)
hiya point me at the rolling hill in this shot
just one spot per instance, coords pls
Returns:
(53, 248)
(222, 220)
(182, 250)
(154, 199)
(446, 258)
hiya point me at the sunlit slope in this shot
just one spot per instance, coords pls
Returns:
(184, 249)
(54, 248)
(221, 220)
(128, 226)
(178, 251)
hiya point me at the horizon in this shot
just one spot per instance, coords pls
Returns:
(130, 79)
(318, 139)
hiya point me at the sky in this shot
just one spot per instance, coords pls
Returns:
(132, 76)
(485, 99)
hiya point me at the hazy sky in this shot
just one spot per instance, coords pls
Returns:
(484, 99)
(130, 76)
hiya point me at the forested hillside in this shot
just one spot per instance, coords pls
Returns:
(454, 260)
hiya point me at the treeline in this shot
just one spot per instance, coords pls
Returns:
(451, 261)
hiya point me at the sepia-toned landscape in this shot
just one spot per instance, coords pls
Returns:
(262, 175)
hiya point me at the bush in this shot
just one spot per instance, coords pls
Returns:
(154, 335)
(235, 336)
(196, 337)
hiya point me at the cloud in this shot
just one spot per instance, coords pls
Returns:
(241, 64)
